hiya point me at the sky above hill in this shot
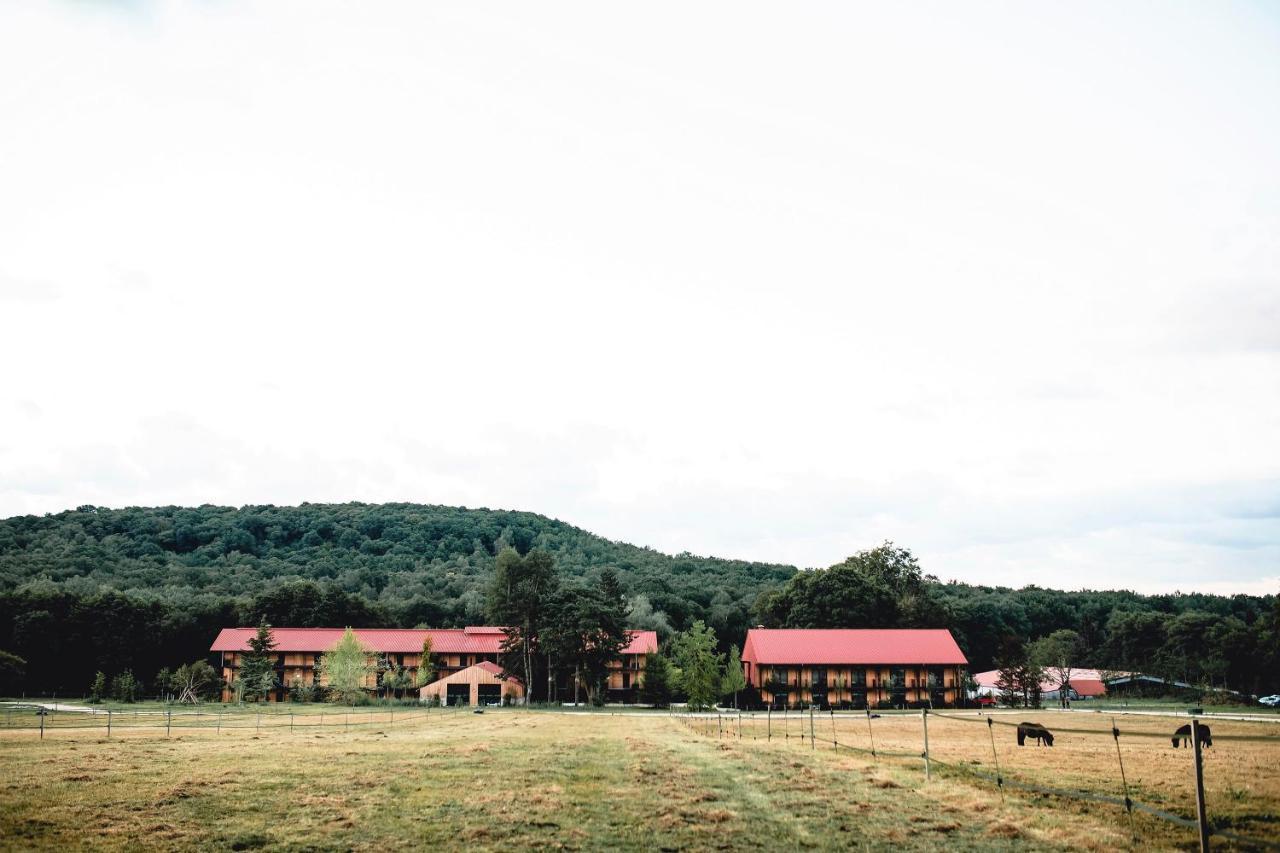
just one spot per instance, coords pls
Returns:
(999, 283)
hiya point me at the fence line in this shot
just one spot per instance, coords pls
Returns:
(1001, 781)
(217, 721)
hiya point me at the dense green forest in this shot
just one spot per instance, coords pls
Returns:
(142, 589)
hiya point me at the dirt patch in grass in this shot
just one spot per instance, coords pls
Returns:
(1003, 829)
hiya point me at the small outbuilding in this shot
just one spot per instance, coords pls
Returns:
(477, 685)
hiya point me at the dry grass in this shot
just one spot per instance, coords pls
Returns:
(1242, 778)
(546, 779)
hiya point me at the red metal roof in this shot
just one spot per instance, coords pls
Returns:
(1085, 682)
(480, 640)
(642, 643)
(802, 646)
(383, 640)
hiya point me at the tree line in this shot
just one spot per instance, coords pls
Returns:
(147, 589)
(1211, 642)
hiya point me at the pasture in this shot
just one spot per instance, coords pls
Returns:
(625, 781)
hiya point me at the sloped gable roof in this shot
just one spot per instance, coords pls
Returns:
(476, 639)
(381, 640)
(642, 643)
(808, 646)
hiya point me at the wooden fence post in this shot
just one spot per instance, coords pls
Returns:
(924, 719)
(1201, 819)
(108, 722)
(768, 722)
(42, 723)
(871, 735)
(813, 741)
(168, 721)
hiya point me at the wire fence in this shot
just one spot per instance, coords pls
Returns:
(1135, 768)
(48, 721)
(1142, 759)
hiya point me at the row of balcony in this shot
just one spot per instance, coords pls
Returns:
(873, 684)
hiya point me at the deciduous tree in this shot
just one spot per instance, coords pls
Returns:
(346, 667)
(734, 678)
(701, 667)
(1059, 655)
(98, 689)
(193, 682)
(427, 667)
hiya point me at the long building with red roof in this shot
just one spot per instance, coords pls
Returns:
(854, 667)
(1084, 684)
(452, 650)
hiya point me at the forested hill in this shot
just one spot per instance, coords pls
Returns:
(408, 563)
(144, 588)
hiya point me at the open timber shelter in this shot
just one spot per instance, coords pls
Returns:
(478, 685)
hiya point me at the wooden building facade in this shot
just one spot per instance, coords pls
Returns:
(452, 650)
(298, 649)
(854, 668)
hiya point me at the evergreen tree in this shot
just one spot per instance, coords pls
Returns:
(655, 683)
(520, 596)
(258, 665)
(585, 631)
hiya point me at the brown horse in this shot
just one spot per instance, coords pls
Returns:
(1182, 737)
(1037, 732)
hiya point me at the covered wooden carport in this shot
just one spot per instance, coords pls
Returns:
(482, 678)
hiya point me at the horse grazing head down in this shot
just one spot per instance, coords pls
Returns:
(1182, 736)
(1035, 731)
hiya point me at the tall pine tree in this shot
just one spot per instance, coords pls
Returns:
(258, 665)
(520, 597)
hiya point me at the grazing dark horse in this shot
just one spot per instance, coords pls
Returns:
(1035, 731)
(1182, 737)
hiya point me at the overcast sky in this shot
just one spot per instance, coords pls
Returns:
(999, 283)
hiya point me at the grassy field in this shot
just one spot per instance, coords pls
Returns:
(586, 781)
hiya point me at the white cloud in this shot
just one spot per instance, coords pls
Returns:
(722, 280)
